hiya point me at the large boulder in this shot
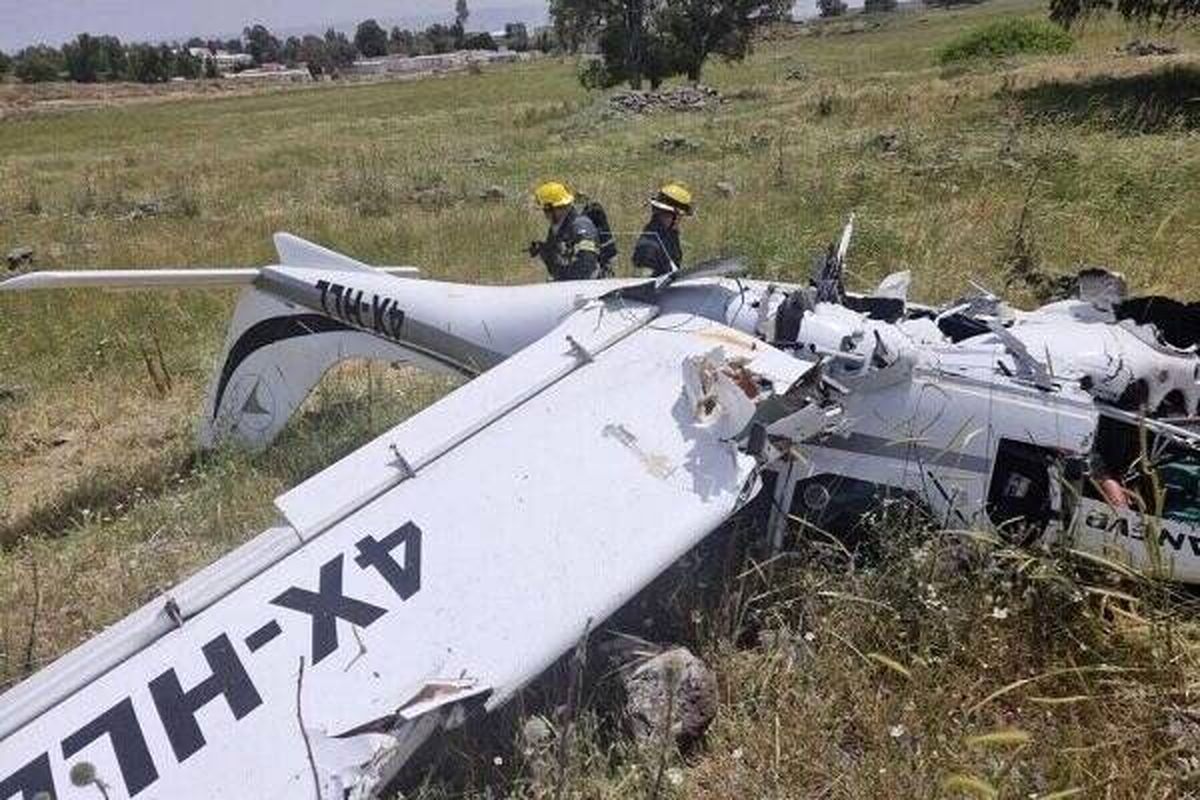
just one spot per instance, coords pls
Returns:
(673, 688)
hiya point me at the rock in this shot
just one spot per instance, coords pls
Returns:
(888, 142)
(432, 197)
(493, 193)
(1183, 728)
(9, 394)
(146, 208)
(726, 189)
(674, 683)
(793, 650)
(797, 73)
(676, 144)
(537, 733)
(1139, 48)
(20, 257)
(537, 747)
(758, 141)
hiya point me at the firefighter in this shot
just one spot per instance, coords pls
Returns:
(658, 248)
(571, 251)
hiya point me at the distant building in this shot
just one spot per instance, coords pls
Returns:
(275, 73)
(225, 61)
(443, 62)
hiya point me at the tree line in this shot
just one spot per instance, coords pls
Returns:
(652, 40)
(93, 59)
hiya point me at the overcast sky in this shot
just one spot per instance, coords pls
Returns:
(24, 22)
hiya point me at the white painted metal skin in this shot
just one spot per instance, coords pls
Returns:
(599, 443)
(561, 532)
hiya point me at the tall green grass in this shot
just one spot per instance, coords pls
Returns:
(1007, 37)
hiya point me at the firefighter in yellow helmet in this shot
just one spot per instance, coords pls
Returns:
(658, 248)
(571, 251)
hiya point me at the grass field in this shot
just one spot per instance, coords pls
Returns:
(104, 502)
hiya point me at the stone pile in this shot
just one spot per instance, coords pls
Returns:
(1139, 48)
(683, 98)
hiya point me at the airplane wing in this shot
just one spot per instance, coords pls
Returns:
(439, 568)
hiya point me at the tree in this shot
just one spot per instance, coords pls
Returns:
(879, 6)
(82, 58)
(38, 64)
(1066, 12)
(261, 45)
(654, 39)
(315, 55)
(516, 36)
(441, 38)
(370, 39)
(195, 41)
(545, 41)
(577, 21)
(182, 64)
(291, 51)
(402, 42)
(480, 41)
(831, 8)
(461, 13)
(231, 46)
(339, 50)
(5, 64)
(146, 64)
(114, 64)
(695, 29)
(210, 69)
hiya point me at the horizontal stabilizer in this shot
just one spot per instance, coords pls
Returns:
(131, 279)
(179, 278)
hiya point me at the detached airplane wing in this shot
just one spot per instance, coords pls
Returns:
(439, 568)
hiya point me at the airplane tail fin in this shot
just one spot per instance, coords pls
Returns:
(276, 352)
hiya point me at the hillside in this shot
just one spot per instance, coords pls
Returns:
(842, 676)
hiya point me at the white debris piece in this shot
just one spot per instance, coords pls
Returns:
(721, 392)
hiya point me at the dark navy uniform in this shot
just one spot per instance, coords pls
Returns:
(658, 248)
(571, 251)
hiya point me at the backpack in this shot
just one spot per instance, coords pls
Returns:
(599, 217)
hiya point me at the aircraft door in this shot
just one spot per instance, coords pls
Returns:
(1023, 496)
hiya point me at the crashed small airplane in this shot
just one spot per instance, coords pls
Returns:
(609, 426)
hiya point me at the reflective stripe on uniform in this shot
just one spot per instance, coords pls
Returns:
(586, 246)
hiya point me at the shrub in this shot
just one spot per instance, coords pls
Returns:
(38, 65)
(1007, 37)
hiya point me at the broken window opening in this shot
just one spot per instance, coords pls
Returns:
(1152, 475)
(1020, 499)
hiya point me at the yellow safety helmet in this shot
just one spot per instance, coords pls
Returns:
(673, 197)
(553, 195)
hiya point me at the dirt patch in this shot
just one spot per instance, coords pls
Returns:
(17, 99)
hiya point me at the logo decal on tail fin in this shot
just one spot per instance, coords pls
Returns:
(268, 332)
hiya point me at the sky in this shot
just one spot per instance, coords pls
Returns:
(55, 21)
